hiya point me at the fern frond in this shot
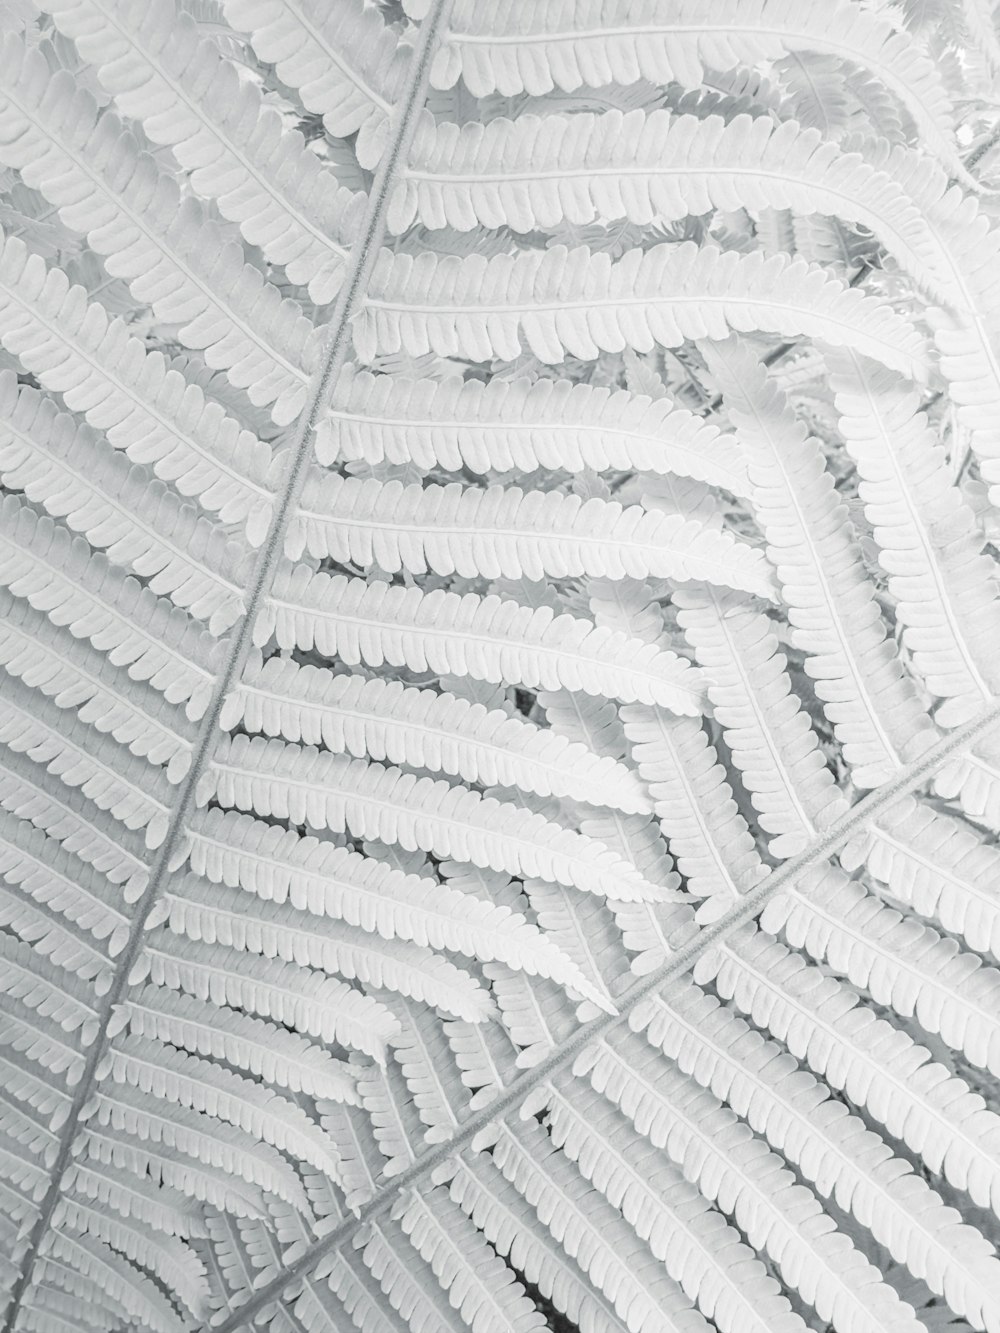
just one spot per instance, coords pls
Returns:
(488, 1198)
(534, 535)
(263, 1049)
(286, 993)
(331, 792)
(40, 988)
(734, 1170)
(872, 705)
(515, 47)
(74, 823)
(147, 410)
(488, 638)
(768, 734)
(345, 63)
(408, 1284)
(75, 676)
(561, 301)
(139, 522)
(120, 1281)
(831, 1147)
(165, 1209)
(617, 1262)
(120, 783)
(876, 1064)
(478, 1283)
(235, 149)
(584, 928)
(52, 938)
(417, 728)
(507, 424)
(538, 172)
(199, 1136)
(173, 1077)
(58, 574)
(936, 865)
(703, 1255)
(170, 253)
(964, 335)
(910, 968)
(227, 916)
(169, 1260)
(945, 587)
(168, 1166)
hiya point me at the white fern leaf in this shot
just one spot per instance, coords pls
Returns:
(416, 728)
(945, 587)
(617, 1262)
(166, 1210)
(285, 993)
(72, 673)
(346, 64)
(585, 930)
(73, 822)
(493, 1204)
(41, 988)
(148, 410)
(168, 1166)
(906, 966)
(199, 1136)
(831, 1147)
(515, 47)
(871, 704)
(28, 1178)
(120, 783)
(394, 1120)
(734, 1170)
(236, 150)
(769, 736)
(708, 838)
(507, 424)
(140, 523)
(936, 865)
(226, 916)
(174, 1263)
(172, 1076)
(964, 335)
(876, 1064)
(68, 949)
(973, 780)
(124, 1284)
(408, 1284)
(537, 172)
(703, 1255)
(263, 1049)
(171, 254)
(331, 792)
(475, 1278)
(485, 1055)
(42, 563)
(488, 638)
(561, 301)
(534, 535)
(432, 1076)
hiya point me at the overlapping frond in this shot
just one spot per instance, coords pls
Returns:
(484, 490)
(562, 300)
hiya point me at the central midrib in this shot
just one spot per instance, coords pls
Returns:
(299, 452)
(749, 907)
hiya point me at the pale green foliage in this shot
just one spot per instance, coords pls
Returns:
(499, 648)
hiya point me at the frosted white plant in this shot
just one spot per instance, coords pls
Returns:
(499, 747)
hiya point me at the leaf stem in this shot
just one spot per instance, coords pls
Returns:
(333, 357)
(907, 780)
